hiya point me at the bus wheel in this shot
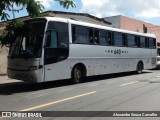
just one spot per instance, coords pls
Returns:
(77, 74)
(139, 67)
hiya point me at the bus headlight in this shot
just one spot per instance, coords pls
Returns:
(33, 68)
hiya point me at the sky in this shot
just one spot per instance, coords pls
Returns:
(144, 10)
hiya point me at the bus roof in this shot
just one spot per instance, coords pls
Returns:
(98, 26)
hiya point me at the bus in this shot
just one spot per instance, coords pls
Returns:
(158, 58)
(52, 48)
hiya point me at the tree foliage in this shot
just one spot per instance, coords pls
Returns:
(66, 3)
(7, 36)
(33, 7)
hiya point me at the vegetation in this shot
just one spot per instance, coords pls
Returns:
(8, 35)
(33, 7)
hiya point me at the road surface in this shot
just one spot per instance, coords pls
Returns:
(114, 92)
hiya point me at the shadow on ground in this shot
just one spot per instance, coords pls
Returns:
(20, 87)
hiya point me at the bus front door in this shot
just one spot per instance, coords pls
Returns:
(51, 54)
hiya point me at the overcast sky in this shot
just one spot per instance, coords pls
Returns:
(145, 10)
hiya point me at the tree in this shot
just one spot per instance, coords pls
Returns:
(66, 3)
(33, 7)
(7, 36)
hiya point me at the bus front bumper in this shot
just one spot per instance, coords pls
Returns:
(35, 76)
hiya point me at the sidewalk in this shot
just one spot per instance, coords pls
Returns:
(5, 79)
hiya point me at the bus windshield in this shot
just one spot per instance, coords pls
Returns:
(28, 40)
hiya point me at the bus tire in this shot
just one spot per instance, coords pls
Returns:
(78, 73)
(139, 67)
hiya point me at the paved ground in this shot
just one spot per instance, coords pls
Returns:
(115, 92)
(5, 79)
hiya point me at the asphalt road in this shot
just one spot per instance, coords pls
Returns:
(114, 92)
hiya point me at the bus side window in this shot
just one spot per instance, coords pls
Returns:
(96, 38)
(109, 38)
(142, 42)
(51, 39)
(74, 39)
(80, 35)
(124, 40)
(118, 39)
(91, 39)
(131, 40)
(104, 37)
(147, 42)
(152, 43)
(48, 38)
(136, 41)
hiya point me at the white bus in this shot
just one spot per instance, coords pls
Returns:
(52, 48)
(158, 58)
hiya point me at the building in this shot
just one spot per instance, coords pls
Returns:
(123, 22)
(76, 16)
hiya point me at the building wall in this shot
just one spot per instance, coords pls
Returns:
(138, 26)
(3, 60)
(131, 24)
(115, 20)
(77, 16)
(80, 17)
